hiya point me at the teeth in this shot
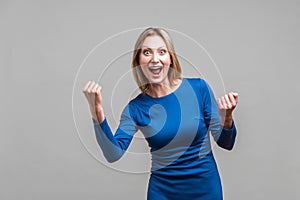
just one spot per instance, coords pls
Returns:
(155, 70)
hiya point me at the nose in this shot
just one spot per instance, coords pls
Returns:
(155, 57)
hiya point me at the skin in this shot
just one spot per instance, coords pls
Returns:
(154, 54)
(92, 92)
(226, 105)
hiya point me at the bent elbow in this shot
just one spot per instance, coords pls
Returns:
(228, 147)
(112, 158)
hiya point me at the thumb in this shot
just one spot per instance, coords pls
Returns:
(236, 96)
(98, 96)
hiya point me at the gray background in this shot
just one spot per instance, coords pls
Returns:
(254, 43)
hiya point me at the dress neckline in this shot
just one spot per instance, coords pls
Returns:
(165, 96)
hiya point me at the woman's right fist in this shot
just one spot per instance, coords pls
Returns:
(92, 92)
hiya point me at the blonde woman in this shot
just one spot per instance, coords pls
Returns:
(176, 115)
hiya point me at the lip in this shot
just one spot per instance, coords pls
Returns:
(155, 70)
(155, 66)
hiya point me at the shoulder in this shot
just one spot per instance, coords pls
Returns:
(130, 110)
(132, 104)
(197, 83)
(138, 102)
(137, 107)
(195, 80)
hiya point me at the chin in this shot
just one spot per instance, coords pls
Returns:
(156, 80)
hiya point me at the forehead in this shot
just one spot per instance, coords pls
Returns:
(153, 42)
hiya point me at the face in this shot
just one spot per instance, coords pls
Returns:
(155, 59)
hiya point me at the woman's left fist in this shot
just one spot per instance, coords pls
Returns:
(227, 103)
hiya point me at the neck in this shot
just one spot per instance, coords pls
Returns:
(162, 89)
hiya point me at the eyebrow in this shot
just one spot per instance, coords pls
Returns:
(150, 48)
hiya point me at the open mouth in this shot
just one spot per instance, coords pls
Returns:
(156, 70)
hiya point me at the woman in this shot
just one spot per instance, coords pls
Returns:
(175, 115)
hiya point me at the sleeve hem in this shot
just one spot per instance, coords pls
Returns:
(101, 123)
(226, 130)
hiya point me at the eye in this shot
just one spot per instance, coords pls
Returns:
(146, 52)
(163, 51)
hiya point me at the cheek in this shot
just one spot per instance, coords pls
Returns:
(166, 60)
(166, 69)
(143, 60)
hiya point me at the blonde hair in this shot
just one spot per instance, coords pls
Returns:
(175, 69)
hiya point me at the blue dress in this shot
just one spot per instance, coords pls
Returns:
(176, 127)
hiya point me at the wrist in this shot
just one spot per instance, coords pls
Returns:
(97, 114)
(228, 122)
(100, 114)
(99, 109)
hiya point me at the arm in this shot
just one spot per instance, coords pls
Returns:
(113, 146)
(226, 105)
(222, 127)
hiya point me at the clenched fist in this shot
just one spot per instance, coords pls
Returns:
(92, 92)
(226, 106)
